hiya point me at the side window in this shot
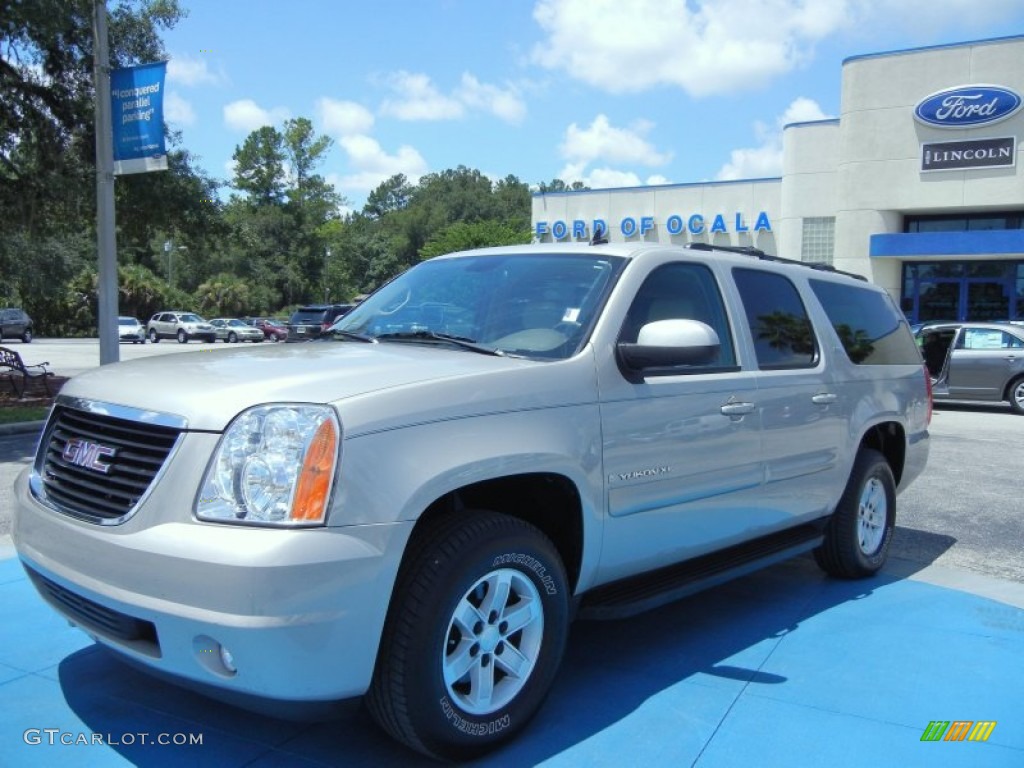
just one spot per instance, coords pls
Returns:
(986, 338)
(682, 291)
(782, 331)
(868, 325)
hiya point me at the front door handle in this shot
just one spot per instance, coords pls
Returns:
(825, 398)
(733, 408)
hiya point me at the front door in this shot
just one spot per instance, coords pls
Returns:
(682, 447)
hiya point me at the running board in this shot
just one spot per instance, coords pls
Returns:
(636, 594)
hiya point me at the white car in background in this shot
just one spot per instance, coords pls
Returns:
(130, 329)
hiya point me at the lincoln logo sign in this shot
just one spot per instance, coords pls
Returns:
(82, 453)
(968, 106)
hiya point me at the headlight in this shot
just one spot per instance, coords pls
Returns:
(274, 466)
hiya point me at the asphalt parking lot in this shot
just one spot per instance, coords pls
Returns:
(784, 667)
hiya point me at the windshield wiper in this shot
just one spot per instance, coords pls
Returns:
(460, 341)
(354, 336)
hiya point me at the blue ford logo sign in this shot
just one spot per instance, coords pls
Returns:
(967, 106)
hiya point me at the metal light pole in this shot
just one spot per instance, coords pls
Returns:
(169, 249)
(106, 243)
(327, 256)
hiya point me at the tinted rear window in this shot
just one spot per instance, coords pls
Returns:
(868, 324)
(308, 317)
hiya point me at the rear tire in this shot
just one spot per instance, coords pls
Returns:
(154, 337)
(859, 532)
(474, 635)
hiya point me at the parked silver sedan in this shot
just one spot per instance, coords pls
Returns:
(232, 330)
(975, 361)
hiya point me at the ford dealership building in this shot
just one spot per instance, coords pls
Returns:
(918, 185)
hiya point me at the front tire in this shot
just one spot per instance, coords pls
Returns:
(232, 338)
(474, 636)
(859, 533)
(26, 337)
(182, 337)
(1016, 390)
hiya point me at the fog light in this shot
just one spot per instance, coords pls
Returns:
(227, 660)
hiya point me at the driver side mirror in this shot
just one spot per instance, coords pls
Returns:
(669, 343)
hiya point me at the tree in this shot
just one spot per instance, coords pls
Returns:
(226, 295)
(557, 185)
(259, 167)
(462, 236)
(303, 150)
(389, 196)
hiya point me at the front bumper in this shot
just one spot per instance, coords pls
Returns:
(300, 612)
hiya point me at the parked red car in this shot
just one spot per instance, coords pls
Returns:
(272, 330)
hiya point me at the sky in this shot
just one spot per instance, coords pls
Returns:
(613, 93)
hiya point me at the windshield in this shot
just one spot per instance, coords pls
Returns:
(532, 305)
(191, 319)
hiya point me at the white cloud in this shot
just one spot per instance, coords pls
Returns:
(190, 72)
(701, 46)
(344, 118)
(246, 115)
(372, 165)
(177, 110)
(606, 178)
(765, 160)
(718, 46)
(505, 104)
(601, 140)
(418, 99)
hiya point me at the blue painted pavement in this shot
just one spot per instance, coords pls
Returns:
(782, 668)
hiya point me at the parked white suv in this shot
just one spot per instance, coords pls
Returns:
(494, 442)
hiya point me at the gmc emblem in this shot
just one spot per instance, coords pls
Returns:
(83, 453)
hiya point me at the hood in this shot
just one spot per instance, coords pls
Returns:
(209, 387)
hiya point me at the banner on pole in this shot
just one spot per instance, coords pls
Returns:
(137, 116)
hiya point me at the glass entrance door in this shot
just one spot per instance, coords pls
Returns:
(988, 301)
(958, 291)
(938, 300)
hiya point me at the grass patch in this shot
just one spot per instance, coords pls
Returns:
(16, 413)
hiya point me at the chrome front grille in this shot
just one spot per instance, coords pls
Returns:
(97, 466)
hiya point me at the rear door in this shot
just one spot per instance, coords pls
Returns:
(982, 362)
(800, 403)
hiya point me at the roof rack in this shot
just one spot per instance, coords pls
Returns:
(757, 253)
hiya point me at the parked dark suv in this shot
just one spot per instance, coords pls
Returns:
(309, 322)
(15, 324)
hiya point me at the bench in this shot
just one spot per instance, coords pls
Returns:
(13, 368)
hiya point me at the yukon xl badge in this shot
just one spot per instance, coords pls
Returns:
(967, 106)
(83, 453)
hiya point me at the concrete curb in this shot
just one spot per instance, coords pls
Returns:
(21, 427)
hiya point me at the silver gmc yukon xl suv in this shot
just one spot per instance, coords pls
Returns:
(413, 510)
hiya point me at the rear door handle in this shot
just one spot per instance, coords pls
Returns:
(825, 398)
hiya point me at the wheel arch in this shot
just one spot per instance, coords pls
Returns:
(549, 501)
(1010, 386)
(889, 438)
